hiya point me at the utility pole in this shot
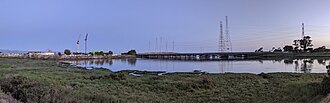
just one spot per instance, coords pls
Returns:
(166, 46)
(149, 46)
(78, 44)
(86, 43)
(156, 44)
(161, 43)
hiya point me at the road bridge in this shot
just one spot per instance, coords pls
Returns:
(203, 56)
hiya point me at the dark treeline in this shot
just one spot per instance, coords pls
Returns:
(299, 45)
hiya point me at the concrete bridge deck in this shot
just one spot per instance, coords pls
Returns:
(201, 56)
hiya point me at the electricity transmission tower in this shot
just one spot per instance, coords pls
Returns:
(224, 40)
(221, 40)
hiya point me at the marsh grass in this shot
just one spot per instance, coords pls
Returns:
(46, 81)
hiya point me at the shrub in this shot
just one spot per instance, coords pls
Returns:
(264, 75)
(114, 76)
(67, 52)
(207, 82)
(325, 86)
(31, 91)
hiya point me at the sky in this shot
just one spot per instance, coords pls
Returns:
(193, 25)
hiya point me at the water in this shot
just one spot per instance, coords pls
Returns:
(241, 66)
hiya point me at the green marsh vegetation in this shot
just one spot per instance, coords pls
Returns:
(48, 81)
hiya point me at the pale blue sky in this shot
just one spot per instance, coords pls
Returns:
(121, 25)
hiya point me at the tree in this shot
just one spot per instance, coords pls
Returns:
(288, 48)
(67, 52)
(99, 53)
(91, 53)
(296, 45)
(306, 42)
(278, 50)
(259, 50)
(303, 44)
(59, 53)
(110, 52)
(320, 49)
(131, 52)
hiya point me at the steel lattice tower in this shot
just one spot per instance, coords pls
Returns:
(221, 40)
(227, 39)
(224, 40)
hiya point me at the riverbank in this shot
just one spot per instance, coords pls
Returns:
(67, 57)
(89, 57)
(47, 81)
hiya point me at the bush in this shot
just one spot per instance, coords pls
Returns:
(114, 76)
(110, 53)
(325, 86)
(31, 91)
(264, 75)
(6, 66)
(131, 52)
(67, 52)
(207, 82)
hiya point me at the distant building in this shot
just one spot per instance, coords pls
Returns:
(10, 55)
(40, 53)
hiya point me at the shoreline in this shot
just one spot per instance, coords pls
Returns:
(71, 57)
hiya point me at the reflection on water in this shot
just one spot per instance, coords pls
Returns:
(241, 66)
(100, 62)
(305, 65)
(225, 65)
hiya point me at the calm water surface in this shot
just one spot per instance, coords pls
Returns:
(241, 66)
